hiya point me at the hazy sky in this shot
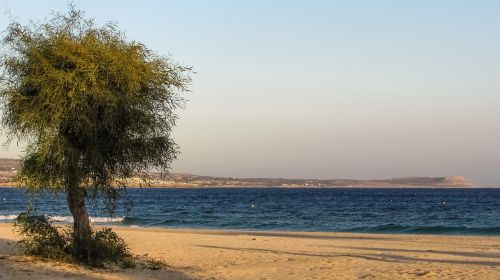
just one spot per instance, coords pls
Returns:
(324, 89)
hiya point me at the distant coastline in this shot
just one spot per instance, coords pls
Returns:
(9, 168)
(177, 180)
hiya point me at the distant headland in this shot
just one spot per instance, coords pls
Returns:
(9, 167)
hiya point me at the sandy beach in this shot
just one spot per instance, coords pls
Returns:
(204, 254)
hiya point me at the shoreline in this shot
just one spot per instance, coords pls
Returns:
(262, 231)
(230, 254)
(185, 186)
(289, 233)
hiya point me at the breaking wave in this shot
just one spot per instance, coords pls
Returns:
(69, 219)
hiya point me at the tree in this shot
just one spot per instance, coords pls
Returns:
(92, 107)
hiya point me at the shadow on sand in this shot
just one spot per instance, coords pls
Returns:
(442, 252)
(307, 235)
(393, 258)
(14, 267)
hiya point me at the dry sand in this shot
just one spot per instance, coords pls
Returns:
(201, 254)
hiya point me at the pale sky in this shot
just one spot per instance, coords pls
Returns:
(323, 89)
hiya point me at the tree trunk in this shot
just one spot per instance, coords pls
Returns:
(76, 204)
(81, 224)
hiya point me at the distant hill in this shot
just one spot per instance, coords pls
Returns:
(9, 163)
(9, 167)
(179, 180)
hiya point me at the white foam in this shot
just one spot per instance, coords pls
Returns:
(8, 217)
(107, 219)
(62, 219)
(69, 219)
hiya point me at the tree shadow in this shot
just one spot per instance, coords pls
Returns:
(372, 257)
(13, 266)
(311, 235)
(429, 260)
(21, 268)
(7, 247)
(452, 253)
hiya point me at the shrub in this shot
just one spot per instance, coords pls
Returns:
(106, 247)
(41, 238)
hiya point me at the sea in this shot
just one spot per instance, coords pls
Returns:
(393, 210)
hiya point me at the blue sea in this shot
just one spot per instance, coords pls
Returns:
(421, 211)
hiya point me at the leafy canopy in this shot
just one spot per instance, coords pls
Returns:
(92, 106)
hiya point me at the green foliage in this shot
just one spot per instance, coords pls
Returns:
(41, 238)
(94, 109)
(92, 106)
(107, 246)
